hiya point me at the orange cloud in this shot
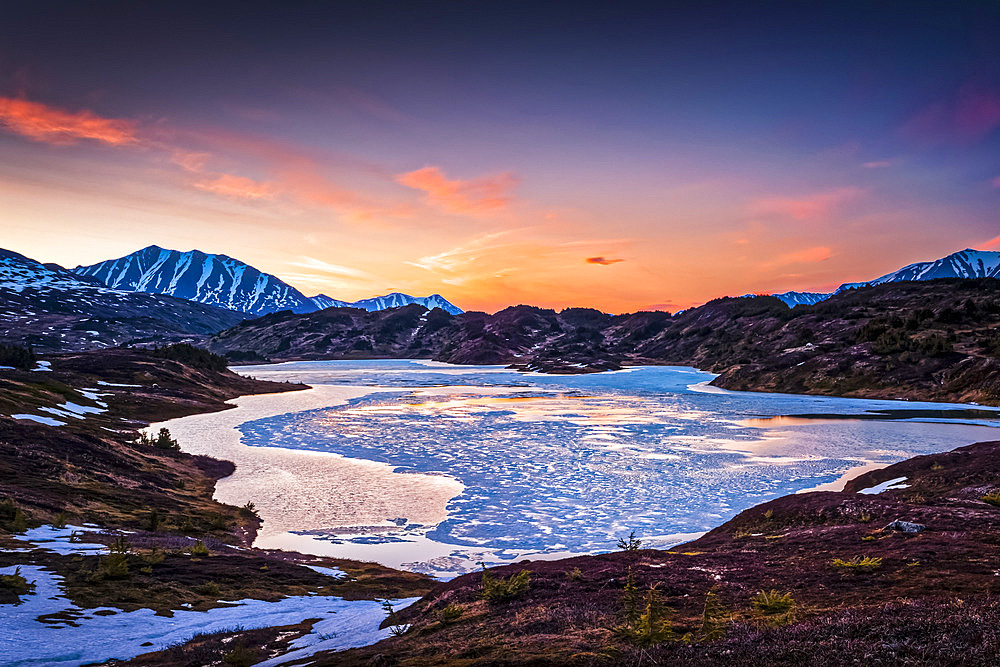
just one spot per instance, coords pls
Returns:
(603, 261)
(472, 197)
(55, 126)
(190, 160)
(238, 187)
(805, 256)
(816, 206)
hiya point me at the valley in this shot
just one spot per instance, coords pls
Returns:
(392, 450)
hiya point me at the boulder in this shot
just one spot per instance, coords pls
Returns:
(905, 526)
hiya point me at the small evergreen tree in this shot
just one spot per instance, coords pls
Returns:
(631, 544)
(713, 617)
(630, 599)
(654, 625)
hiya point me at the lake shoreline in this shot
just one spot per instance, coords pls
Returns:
(322, 536)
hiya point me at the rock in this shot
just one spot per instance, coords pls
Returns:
(905, 526)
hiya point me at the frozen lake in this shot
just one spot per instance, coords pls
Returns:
(436, 467)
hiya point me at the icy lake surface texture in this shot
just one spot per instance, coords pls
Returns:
(556, 465)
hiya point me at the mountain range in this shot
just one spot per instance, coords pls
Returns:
(925, 340)
(52, 309)
(220, 280)
(966, 263)
(158, 295)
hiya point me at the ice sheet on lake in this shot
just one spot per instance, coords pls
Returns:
(570, 463)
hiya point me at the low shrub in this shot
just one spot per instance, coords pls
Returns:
(112, 566)
(210, 589)
(12, 519)
(199, 549)
(15, 583)
(772, 602)
(192, 356)
(17, 356)
(163, 440)
(154, 557)
(773, 607)
(450, 614)
(993, 498)
(240, 656)
(500, 589)
(858, 563)
(653, 621)
(576, 574)
(714, 617)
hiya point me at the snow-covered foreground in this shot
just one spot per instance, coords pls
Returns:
(95, 635)
(530, 465)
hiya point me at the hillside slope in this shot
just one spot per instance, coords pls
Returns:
(933, 340)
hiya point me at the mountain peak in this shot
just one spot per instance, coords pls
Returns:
(968, 263)
(226, 282)
(397, 299)
(217, 280)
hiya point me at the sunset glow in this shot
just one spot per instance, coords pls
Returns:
(627, 160)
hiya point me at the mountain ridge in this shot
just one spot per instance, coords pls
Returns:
(926, 340)
(53, 309)
(217, 280)
(968, 263)
(223, 281)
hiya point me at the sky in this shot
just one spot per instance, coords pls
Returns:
(621, 156)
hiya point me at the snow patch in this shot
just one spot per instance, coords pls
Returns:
(885, 486)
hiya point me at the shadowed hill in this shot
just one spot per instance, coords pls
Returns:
(935, 340)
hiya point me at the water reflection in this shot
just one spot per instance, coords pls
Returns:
(557, 464)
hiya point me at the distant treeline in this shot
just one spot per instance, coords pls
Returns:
(192, 356)
(17, 356)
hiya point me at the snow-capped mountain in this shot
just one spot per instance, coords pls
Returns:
(222, 281)
(19, 273)
(396, 300)
(966, 263)
(52, 309)
(217, 280)
(792, 299)
(322, 302)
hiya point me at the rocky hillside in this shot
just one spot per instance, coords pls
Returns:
(69, 456)
(67, 430)
(934, 340)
